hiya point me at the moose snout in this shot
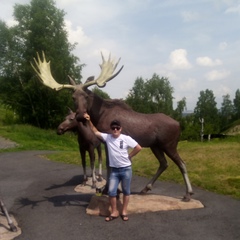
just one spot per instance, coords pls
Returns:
(59, 131)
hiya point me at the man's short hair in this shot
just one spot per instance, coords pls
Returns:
(115, 123)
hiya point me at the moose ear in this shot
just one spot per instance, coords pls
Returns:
(89, 79)
(70, 110)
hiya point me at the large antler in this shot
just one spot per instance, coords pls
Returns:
(107, 70)
(43, 71)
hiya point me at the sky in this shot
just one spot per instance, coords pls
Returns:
(195, 44)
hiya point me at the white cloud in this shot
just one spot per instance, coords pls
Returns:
(235, 9)
(76, 36)
(11, 23)
(188, 85)
(189, 16)
(178, 60)
(217, 75)
(222, 90)
(208, 62)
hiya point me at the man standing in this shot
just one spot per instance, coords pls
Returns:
(120, 165)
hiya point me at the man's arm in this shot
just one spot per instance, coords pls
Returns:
(94, 129)
(135, 150)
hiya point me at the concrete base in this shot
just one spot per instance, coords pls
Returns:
(99, 205)
(87, 187)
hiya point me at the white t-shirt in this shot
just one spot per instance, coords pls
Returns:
(118, 149)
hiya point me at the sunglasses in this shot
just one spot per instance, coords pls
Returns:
(113, 128)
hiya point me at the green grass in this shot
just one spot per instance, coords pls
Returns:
(32, 138)
(213, 166)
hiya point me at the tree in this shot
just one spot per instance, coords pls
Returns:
(227, 111)
(151, 96)
(4, 45)
(236, 102)
(206, 109)
(190, 130)
(178, 112)
(100, 93)
(40, 27)
(137, 97)
(160, 94)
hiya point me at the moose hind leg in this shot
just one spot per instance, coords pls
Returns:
(94, 181)
(162, 167)
(182, 166)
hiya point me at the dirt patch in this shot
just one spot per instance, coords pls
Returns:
(234, 131)
(6, 143)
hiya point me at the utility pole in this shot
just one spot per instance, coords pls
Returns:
(201, 120)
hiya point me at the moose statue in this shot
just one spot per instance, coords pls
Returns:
(87, 142)
(157, 131)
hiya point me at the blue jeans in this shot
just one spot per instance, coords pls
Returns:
(117, 175)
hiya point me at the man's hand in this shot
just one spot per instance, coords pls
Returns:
(97, 133)
(86, 116)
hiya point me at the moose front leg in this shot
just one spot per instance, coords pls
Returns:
(92, 163)
(13, 228)
(162, 167)
(149, 186)
(99, 151)
(83, 156)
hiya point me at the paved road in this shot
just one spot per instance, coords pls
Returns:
(40, 194)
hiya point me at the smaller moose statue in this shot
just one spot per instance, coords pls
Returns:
(87, 142)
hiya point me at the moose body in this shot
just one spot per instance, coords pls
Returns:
(146, 129)
(87, 142)
(157, 131)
